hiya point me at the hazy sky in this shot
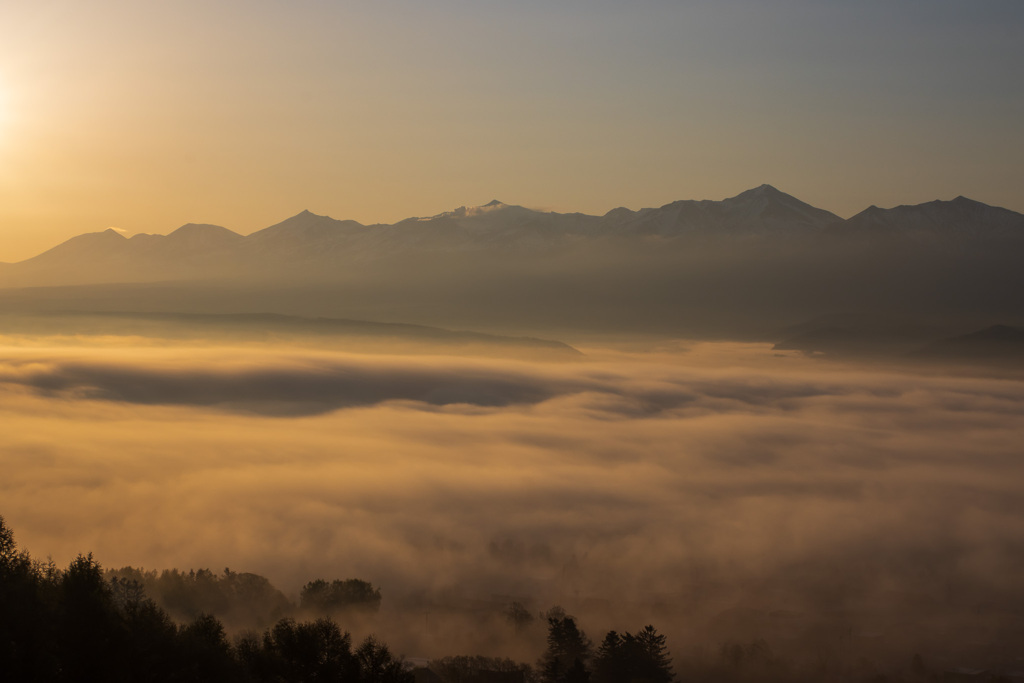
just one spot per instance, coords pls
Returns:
(145, 116)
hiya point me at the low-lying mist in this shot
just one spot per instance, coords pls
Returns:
(717, 490)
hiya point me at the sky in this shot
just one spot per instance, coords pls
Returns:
(146, 116)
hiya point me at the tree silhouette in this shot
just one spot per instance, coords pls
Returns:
(378, 666)
(8, 548)
(206, 651)
(126, 592)
(152, 651)
(610, 665)
(75, 625)
(325, 598)
(628, 658)
(653, 662)
(89, 625)
(26, 619)
(518, 616)
(312, 651)
(476, 668)
(567, 654)
(238, 597)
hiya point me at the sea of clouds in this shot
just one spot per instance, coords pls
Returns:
(675, 486)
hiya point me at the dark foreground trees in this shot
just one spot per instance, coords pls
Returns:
(629, 658)
(621, 658)
(79, 624)
(568, 653)
(74, 625)
(479, 669)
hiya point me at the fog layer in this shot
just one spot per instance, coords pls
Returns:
(679, 485)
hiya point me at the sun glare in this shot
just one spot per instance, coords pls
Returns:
(4, 109)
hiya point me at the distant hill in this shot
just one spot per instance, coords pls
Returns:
(826, 340)
(334, 333)
(998, 343)
(762, 209)
(959, 217)
(855, 336)
(760, 260)
(312, 246)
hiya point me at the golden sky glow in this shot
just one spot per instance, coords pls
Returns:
(208, 401)
(146, 116)
(4, 110)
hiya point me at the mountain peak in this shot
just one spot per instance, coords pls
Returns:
(767, 204)
(108, 235)
(494, 202)
(88, 244)
(766, 191)
(203, 234)
(305, 225)
(306, 216)
(960, 217)
(964, 202)
(202, 227)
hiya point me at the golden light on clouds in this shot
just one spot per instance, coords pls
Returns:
(484, 476)
(207, 400)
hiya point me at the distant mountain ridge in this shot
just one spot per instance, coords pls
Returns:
(996, 345)
(993, 344)
(761, 208)
(337, 333)
(762, 255)
(959, 215)
(208, 250)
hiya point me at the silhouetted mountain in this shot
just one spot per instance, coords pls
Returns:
(196, 236)
(191, 251)
(303, 230)
(763, 208)
(321, 244)
(335, 333)
(998, 343)
(959, 217)
(88, 247)
(761, 259)
(309, 245)
(860, 336)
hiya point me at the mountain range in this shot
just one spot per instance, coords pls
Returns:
(762, 255)
(1000, 346)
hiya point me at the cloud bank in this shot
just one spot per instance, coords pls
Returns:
(679, 486)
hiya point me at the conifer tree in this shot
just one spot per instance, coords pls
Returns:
(568, 653)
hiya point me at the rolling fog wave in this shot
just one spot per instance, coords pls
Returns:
(287, 385)
(677, 485)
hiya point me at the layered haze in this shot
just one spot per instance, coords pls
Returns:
(706, 485)
(737, 351)
(747, 266)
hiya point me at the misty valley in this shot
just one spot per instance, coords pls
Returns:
(385, 341)
(743, 440)
(773, 513)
